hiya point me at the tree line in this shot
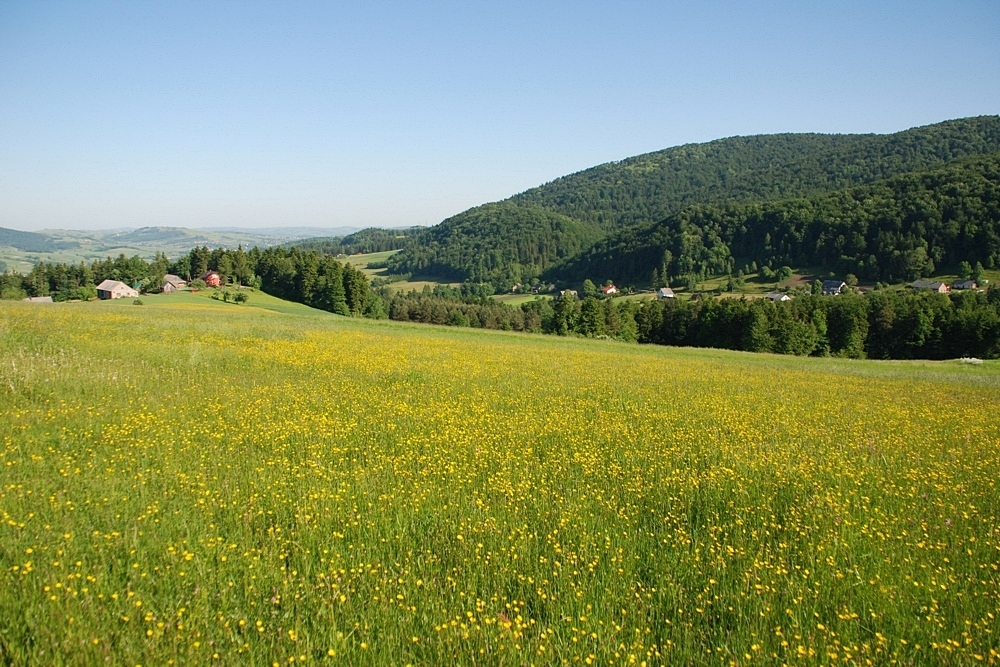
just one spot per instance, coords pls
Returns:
(882, 324)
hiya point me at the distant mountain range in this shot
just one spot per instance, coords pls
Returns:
(289, 232)
(21, 250)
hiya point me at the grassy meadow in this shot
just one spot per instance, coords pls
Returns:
(193, 482)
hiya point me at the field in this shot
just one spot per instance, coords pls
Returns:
(193, 482)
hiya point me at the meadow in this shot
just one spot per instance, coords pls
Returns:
(194, 482)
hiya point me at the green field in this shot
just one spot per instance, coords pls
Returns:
(194, 482)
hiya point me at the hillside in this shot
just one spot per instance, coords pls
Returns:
(28, 241)
(897, 229)
(654, 186)
(499, 243)
(366, 241)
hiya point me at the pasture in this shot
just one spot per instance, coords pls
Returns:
(192, 482)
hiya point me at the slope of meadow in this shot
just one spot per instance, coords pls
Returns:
(189, 482)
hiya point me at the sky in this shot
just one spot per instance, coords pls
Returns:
(331, 114)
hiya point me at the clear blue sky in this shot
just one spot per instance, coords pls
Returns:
(255, 114)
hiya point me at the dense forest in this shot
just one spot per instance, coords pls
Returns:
(517, 239)
(895, 230)
(656, 185)
(373, 239)
(500, 243)
(884, 324)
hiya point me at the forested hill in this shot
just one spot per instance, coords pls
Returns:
(27, 241)
(520, 237)
(498, 243)
(897, 229)
(372, 239)
(653, 186)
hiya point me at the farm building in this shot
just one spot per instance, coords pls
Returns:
(931, 285)
(664, 293)
(115, 289)
(567, 292)
(608, 290)
(778, 297)
(172, 283)
(212, 279)
(964, 284)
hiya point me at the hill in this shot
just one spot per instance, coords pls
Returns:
(366, 241)
(653, 186)
(501, 243)
(897, 229)
(28, 241)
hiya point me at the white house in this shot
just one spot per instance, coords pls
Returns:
(664, 293)
(114, 289)
(778, 297)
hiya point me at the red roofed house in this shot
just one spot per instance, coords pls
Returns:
(609, 290)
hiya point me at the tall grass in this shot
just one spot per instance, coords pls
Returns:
(191, 482)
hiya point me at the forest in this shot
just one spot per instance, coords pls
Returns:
(559, 229)
(883, 324)
(894, 230)
(373, 239)
(500, 243)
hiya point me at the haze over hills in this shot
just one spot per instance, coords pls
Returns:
(22, 250)
(504, 242)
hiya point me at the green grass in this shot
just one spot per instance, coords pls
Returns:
(518, 299)
(257, 300)
(195, 482)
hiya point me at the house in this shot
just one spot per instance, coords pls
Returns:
(931, 285)
(964, 284)
(833, 287)
(608, 290)
(698, 296)
(172, 283)
(778, 297)
(115, 289)
(212, 279)
(567, 292)
(38, 299)
(664, 293)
